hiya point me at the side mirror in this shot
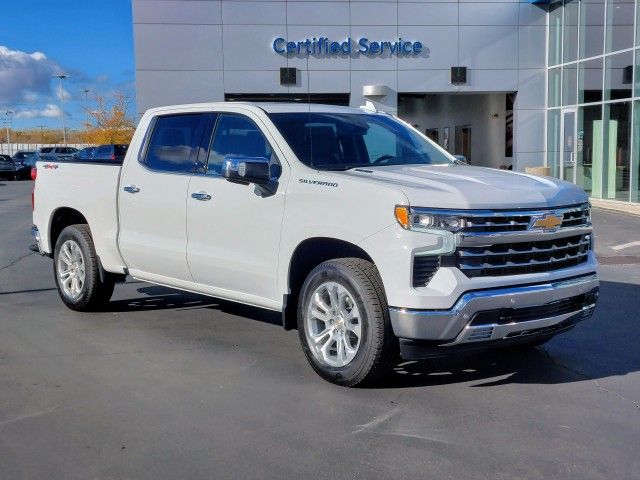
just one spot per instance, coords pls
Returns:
(247, 170)
(461, 159)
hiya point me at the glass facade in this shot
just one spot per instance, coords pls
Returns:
(593, 96)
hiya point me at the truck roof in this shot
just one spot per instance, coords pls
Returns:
(269, 107)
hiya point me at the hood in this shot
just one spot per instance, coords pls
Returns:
(467, 187)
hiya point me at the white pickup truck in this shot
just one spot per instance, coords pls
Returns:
(369, 238)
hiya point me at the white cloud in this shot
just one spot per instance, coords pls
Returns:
(49, 111)
(23, 75)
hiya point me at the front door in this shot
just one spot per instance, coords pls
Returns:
(152, 199)
(568, 146)
(234, 229)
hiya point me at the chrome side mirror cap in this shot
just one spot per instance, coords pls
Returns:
(247, 170)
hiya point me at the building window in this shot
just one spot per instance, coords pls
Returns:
(553, 142)
(569, 84)
(620, 14)
(554, 87)
(590, 81)
(617, 77)
(617, 143)
(591, 28)
(595, 101)
(555, 34)
(635, 159)
(570, 33)
(589, 147)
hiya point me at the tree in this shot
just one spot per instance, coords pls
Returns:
(109, 121)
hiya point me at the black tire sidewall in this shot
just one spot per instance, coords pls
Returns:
(335, 272)
(90, 264)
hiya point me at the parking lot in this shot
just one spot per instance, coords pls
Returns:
(174, 385)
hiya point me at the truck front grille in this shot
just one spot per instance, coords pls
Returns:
(523, 257)
(497, 222)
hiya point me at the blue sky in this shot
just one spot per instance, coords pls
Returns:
(91, 40)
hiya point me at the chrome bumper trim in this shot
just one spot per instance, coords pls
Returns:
(477, 239)
(449, 324)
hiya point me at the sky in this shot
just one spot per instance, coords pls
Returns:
(89, 40)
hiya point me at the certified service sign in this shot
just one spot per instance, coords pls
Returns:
(324, 46)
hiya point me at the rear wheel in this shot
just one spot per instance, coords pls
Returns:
(77, 271)
(343, 323)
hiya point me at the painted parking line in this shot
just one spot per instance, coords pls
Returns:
(622, 246)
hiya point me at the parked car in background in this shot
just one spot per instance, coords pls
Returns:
(115, 152)
(57, 153)
(86, 153)
(24, 160)
(7, 167)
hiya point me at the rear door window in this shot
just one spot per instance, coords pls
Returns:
(173, 145)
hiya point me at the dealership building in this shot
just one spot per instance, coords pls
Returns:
(504, 83)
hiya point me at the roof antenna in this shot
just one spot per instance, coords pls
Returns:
(369, 107)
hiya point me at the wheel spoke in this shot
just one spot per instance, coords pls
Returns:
(321, 338)
(67, 281)
(324, 350)
(350, 351)
(65, 274)
(353, 325)
(319, 309)
(340, 346)
(333, 296)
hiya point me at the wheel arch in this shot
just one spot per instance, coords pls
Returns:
(305, 257)
(61, 218)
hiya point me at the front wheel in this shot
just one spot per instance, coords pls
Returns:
(343, 323)
(77, 271)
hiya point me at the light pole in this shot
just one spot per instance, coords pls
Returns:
(7, 123)
(86, 107)
(41, 134)
(62, 76)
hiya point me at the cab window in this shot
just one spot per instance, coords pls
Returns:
(238, 136)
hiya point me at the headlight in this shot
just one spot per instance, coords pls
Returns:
(419, 220)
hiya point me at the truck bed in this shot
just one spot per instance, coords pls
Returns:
(90, 187)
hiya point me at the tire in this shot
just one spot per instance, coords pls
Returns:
(328, 301)
(75, 256)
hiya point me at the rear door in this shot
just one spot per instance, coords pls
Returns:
(152, 198)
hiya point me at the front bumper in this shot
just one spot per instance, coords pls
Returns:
(501, 314)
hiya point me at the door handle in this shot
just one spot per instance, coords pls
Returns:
(131, 188)
(201, 196)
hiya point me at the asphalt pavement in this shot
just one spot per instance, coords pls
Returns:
(170, 385)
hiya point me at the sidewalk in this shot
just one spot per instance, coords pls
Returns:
(623, 207)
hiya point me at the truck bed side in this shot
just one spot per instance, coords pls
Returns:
(89, 188)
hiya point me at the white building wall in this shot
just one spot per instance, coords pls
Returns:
(198, 50)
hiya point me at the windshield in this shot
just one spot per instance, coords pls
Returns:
(340, 141)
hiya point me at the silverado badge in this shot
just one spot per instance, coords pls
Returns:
(548, 221)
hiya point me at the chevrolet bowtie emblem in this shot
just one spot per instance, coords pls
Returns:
(546, 222)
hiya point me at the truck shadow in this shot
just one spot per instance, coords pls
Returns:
(157, 297)
(605, 345)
